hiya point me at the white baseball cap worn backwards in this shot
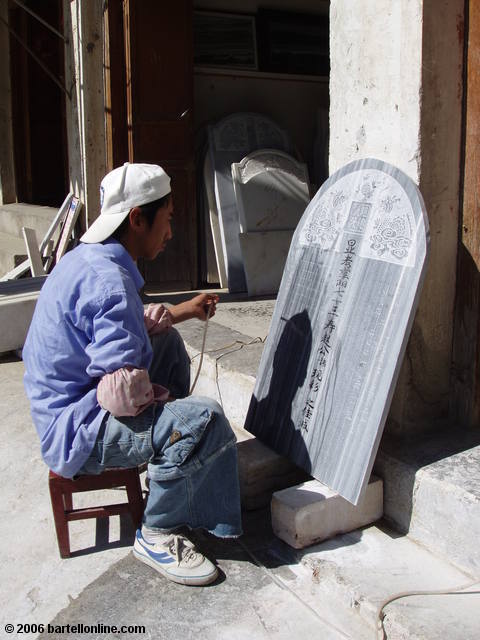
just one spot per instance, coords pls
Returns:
(122, 189)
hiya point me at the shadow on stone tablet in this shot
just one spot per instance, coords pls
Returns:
(270, 418)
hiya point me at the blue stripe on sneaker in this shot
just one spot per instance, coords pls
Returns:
(162, 558)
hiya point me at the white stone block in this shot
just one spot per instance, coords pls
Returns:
(311, 512)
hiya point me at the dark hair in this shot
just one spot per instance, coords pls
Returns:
(148, 210)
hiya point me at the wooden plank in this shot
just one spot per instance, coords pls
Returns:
(67, 228)
(115, 86)
(34, 255)
(22, 268)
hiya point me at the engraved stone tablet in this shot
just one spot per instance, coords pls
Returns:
(229, 141)
(271, 189)
(340, 326)
(264, 256)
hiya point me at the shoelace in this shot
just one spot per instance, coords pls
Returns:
(183, 549)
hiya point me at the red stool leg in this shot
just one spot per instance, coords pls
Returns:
(61, 523)
(68, 501)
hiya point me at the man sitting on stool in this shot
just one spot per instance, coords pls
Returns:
(108, 382)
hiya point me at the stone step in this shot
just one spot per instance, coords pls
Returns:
(432, 491)
(362, 569)
(17, 215)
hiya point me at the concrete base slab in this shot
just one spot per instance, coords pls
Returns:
(311, 512)
(364, 568)
(432, 492)
(17, 304)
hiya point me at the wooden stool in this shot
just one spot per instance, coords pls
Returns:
(61, 490)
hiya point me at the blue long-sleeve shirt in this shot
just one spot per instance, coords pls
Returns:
(88, 321)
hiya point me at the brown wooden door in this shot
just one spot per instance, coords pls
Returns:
(159, 91)
(466, 351)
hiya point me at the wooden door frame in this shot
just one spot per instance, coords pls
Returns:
(115, 86)
(465, 387)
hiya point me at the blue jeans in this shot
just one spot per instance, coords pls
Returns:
(188, 444)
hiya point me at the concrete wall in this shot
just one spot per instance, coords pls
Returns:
(7, 167)
(84, 72)
(396, 94)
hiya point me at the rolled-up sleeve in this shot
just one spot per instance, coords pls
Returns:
(118, 336)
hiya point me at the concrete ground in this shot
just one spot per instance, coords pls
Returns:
(267, 591)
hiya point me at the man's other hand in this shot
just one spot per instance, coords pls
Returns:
(197, 307)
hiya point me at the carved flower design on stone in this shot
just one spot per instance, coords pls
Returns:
(321, 229)
(391, 235)
(367, 188)
(233, 136)
(268, 135)
(338, 198)
(388, 203)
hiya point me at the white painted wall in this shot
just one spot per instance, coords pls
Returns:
(375, 82)
(396, 95)
(7, 166)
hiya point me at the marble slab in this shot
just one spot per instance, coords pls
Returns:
(230, 140)
(17, 304)
(341, 323)
(264, 255)
(213, 223)
(271, 189)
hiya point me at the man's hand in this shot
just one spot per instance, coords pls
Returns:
(197, 307)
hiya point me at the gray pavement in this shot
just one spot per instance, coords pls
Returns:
(266, 590)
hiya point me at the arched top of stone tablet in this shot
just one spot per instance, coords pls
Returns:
(376, 202)
(244, 131)
(271, 190)
(269, 160)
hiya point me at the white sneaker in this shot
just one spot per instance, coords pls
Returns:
(176, 558)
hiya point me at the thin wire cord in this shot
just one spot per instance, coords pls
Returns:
(283, 585)
(241, 344)
(407, 594)
(209, 311)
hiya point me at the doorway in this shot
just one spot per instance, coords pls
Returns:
(38, 104)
